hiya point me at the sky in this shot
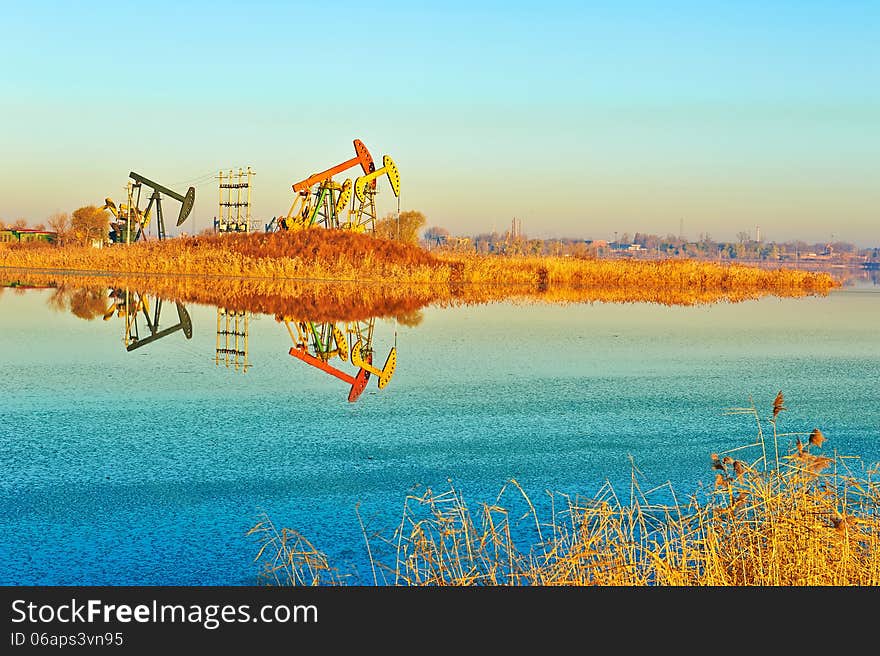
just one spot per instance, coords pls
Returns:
(580, 119)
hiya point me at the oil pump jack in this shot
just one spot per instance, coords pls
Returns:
(322, 201)
(131, 223)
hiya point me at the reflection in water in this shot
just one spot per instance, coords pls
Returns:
(331, 326)
(18, 284)
(345, 301)
(132, 305)
(318, 343)
(232, 327)
(85, 303)
(343, 348)
(864, 276)
(564, 399)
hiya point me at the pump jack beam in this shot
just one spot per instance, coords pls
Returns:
(358, 382)
(185, 325)
(362, 157)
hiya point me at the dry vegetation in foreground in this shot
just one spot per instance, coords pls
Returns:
(256, 271)
(801, 519)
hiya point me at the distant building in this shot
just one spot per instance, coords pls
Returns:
(24, 235)
(457, 242)
(816, 256)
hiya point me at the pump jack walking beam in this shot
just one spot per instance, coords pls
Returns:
(385, 373)
(361, 157)
(185, 324)
(389, 168)
(358, 382)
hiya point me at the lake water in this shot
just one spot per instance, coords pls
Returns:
(148, 466)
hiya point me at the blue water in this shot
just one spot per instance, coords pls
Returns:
(148, 467)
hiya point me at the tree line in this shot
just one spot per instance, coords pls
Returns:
(643, 245)
(85, 225)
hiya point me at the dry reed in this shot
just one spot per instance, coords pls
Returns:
(803, 519)
(344, 256)
(406, 280)
(348, 301)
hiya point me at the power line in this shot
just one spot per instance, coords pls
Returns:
(198, 178)
(201, 180)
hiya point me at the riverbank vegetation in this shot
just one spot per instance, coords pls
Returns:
(330, 255)
(805, 517)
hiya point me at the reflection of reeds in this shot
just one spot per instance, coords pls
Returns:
(810, 521)
(294, 299)
(334, 301)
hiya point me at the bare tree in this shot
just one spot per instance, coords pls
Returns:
(60, 224)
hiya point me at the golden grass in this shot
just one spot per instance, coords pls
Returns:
(275, 273)
(650, 278)
(346, 256)
(308, 254)
(805, 519)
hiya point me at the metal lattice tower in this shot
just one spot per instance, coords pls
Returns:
(234, 214)
(323, 208)
(128, 216)
(363, 219)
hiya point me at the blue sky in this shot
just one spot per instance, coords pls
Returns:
(580, 119)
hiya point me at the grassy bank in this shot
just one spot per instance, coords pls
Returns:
(802, 517)
(262, 265)
(314, 254)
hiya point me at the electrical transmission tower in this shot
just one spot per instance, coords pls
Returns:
(234, 213)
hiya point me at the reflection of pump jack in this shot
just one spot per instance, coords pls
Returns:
(358, 382)
(385, 373)
(131, 304)
(317, 344)
(327, 341)
(324, 352)
(233, 326)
